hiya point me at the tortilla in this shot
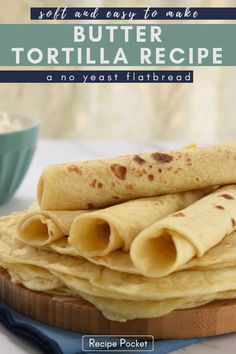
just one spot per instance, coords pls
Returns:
(185, 283)
(77, 285)
(173, 241)
(121, 296)
(220, 256)
(124, 310)
(120, 285)
(106, 230)
(93, 280)
(119, 310)
(40, 227)
(62, 246)
(102, 183)
(33, 277)
(117, 260)
(47, 285)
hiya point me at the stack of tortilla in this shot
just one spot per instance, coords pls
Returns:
(138, 236)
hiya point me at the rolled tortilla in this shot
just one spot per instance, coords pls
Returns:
(117, 260)
(101, 183)
(103, 231)
(40, 227)
(220, 256)
(168, 244)
(100, 281)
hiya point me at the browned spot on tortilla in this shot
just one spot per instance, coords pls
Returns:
(178, 214)
(233, 222)
(150, 177)
(220, 207)
(74, 168)
(198, 179)
(178, 155)
(160, 170)
(139, 159)
(150, 166)
(100, 185)
(115, 197)
(93, 183)
(90, 206)
(130, 186)
(161, 157)
(178, 169)
(119, 171)
(189, 162)
(226, 196)
(113, 184)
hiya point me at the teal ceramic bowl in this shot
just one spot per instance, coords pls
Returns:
(16, 152)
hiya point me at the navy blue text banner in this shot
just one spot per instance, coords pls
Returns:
(133, 13)
(92, 76)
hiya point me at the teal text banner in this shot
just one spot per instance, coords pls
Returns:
(118, 45)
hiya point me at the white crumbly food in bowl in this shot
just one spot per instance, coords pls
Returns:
(8, 124)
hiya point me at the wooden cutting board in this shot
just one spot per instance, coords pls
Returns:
(79, 315)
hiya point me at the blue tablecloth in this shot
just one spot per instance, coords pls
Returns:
(57, 341)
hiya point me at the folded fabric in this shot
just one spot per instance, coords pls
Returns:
(58, 341)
